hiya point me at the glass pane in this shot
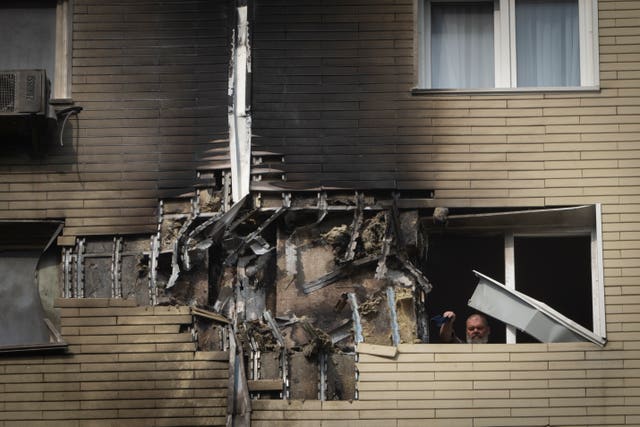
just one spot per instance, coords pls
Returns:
(28, 35)
(462, 45)
(556, 271)
(547, 43)
(21, 315)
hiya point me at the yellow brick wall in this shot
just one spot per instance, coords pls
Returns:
(125, 366)
(528, 149)
(151, 77)
(480, 385)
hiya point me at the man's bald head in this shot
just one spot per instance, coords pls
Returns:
(477, 329)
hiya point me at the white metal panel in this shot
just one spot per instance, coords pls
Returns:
(527, 314)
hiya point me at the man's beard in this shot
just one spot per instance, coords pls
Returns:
(478, 340)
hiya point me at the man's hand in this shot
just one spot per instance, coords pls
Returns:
(446, 330)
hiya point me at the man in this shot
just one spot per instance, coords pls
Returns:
(477, 329)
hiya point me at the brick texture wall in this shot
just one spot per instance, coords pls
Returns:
(125, 366)
(475, 150)
(485, 385)
(152, 79)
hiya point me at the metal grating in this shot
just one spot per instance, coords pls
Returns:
(7, 92)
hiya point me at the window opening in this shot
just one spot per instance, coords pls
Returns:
(557, 271)
(451, 259)
(547, 43)
(550, 256)
(37, 35)
(28, 36)
(24, 323)
(462, 45)
(507, 44)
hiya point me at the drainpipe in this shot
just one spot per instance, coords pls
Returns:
(239, 108)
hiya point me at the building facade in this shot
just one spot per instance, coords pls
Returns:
(351, 126)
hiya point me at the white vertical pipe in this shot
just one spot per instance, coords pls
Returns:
(239, 117)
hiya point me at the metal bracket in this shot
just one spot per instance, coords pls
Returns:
(175, 267)
(381, 269)
(391, 302)
(226, 190)
(116, 268)
(153, 268)
(66, 266)
(274, 327)
(160, 214)
(322, 386)
(286, 200)
(356, 225)
(322, 201)
(79, 290)
(357, 324)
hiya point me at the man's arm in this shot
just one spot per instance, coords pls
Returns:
(447, 334)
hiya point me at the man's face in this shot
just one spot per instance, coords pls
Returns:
(477, 330)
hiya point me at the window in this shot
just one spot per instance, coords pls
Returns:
(36, 34)
(507, 44)
(462, 45)
(549, 258)
(26, 252)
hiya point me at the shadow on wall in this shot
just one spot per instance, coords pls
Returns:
(30, 144)
(328, 86)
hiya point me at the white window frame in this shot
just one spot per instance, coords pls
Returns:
(584, 220)
(597, 270)
(505, 46)
(64, 31)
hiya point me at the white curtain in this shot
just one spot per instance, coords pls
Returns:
(462, 45)
(547, 43)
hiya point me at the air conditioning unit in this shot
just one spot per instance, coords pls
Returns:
(27, 121)
(23, 92)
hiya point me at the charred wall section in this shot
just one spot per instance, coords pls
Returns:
(301, 285)
(331, 81)
(152, 78)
